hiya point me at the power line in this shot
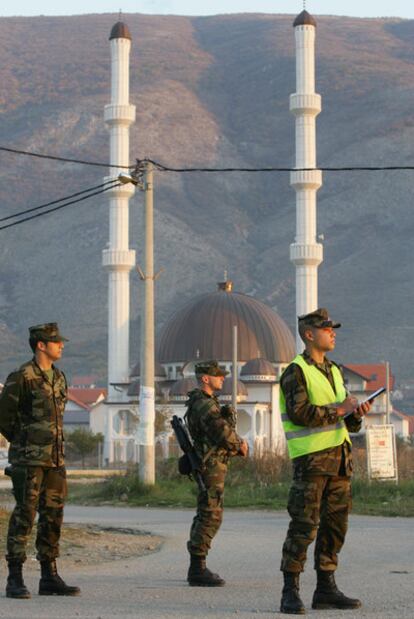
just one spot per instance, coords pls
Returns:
(73, 195)
(62, 159)
(163, 168)
(57, 208)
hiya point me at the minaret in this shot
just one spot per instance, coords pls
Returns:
(118, 259)
(305, 253)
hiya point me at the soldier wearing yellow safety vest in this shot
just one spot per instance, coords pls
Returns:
(313, 403)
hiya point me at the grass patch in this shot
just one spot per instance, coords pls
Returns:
(250, 485)
(383, 498)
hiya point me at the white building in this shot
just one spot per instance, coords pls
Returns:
(202, 329)
(362, 380)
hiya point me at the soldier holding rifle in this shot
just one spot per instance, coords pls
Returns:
(213, 430)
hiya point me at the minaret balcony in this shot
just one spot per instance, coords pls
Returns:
(306, 179)
(305, 104)
(119, 114)
(306, 254)
(118, 259)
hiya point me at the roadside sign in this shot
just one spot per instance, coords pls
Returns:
(381, 452)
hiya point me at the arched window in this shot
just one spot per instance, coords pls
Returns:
(125, 423)
(243, 422)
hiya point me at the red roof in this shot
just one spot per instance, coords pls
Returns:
(375, 374)
(87, 397)
(399, 414)
(351, 369)
(78, 402)
(85, 381)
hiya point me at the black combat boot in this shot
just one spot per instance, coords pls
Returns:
(15, 587)
(327, 594)
(51, 583)
(291, 604)
(200, 576)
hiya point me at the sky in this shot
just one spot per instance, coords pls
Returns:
(357, 8)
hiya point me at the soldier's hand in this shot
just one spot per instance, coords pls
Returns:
(347, 406)
(244, 449)
(363, 408)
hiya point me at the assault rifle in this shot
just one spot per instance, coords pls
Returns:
(190, 463)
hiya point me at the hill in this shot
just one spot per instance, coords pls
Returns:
(209, 91)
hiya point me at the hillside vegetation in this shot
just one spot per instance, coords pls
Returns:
(209, 91)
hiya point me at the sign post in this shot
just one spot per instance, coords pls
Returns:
(382, 453)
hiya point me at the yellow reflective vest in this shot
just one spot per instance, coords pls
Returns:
(302, 440)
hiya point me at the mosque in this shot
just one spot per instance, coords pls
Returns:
(202, 329)
(136, 413)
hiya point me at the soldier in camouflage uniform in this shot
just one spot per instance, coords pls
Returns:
(31, 418)
(320, 495)
(213, 429)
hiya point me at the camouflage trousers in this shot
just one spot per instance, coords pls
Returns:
(209, 514)
(41, 489)
(318, 507)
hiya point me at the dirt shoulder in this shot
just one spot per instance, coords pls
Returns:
(91, 544)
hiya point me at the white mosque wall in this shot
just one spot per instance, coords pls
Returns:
(259, 392)
(119, 423)
(258, 422)
(278, 439)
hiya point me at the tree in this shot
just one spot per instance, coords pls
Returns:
(162, 418)
(83, 442)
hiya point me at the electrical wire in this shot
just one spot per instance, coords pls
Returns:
(57, 208)
(73, 195)
(163, 168)
(63, 159)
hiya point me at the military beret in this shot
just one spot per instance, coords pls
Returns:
(47, 332)
(211, 368)
(319, 319)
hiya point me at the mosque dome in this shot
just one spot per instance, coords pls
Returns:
(180, 389)
(228, 387)
(203, 330)
(258, 370)
(120, 31)
(304, 19)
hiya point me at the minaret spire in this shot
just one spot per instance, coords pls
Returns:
(305, 253)
(118, 259)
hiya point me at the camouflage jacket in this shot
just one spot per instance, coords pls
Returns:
(302, 412)
(212, 426)
(31, 416)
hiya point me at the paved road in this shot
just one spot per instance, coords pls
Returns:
(377, 564)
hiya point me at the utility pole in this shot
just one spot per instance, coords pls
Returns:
(234, 369)
(147, 387)
(387, 393)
